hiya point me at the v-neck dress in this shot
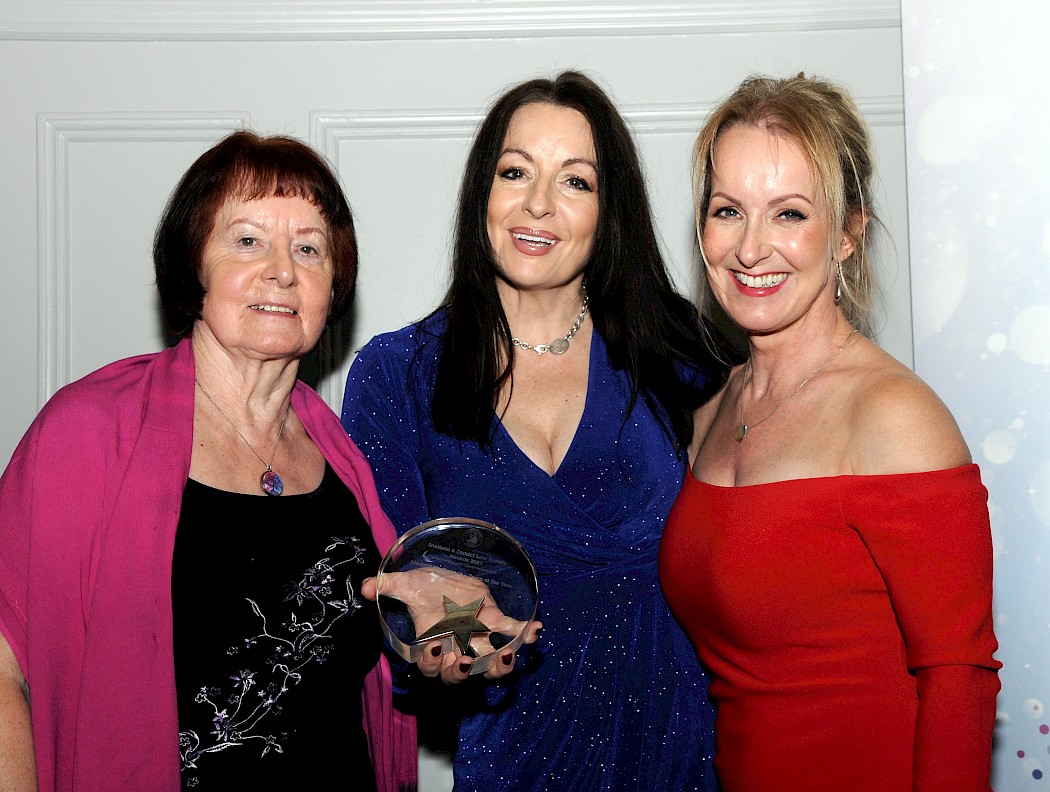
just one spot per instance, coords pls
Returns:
(612, 696)
(847, 625)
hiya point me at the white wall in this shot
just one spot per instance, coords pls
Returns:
(106, 103)
(978, 176)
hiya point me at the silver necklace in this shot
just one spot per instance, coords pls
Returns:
(743, 428)
(559, 345)
(269, 481)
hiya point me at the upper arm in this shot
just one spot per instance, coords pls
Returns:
(380, 416)
(899, 425)
(11, 672)
(17, 757)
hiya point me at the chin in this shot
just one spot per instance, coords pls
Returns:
(281, 350)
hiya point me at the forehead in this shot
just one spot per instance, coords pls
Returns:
(270, 210)
(549, 126)
(761, 156)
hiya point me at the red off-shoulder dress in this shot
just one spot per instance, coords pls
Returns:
(847, 626)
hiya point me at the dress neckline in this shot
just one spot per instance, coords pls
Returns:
(587, 403)
(814, 480)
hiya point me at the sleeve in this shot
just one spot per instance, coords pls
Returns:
(931, 541)
(377, 417)
(51, 496)
(381, 414)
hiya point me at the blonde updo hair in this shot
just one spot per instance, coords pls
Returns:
(823, 120)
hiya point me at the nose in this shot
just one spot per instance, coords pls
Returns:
(538, 201)
(753, 247)
(281, 267)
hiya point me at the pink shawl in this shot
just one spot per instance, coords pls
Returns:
(88, 510)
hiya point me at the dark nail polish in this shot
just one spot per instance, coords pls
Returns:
(435, 650)
(506, 659)
(464, 667)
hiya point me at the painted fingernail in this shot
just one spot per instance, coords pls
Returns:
(464, 667)
(506, 659)
(435, 650)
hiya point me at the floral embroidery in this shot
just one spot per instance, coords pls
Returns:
(241, 705)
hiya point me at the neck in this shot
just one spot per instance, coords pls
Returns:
(258, 390)
(539, 316)
(777, 362)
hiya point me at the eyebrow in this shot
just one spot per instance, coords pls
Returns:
(570, 161)
(249, 222)
(777, 200)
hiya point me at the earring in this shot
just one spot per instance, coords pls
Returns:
(838, 281)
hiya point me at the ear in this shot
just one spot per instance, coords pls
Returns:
(853, 233)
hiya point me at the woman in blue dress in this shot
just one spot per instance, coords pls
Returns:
(551, 394)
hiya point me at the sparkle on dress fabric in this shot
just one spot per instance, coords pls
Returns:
(612, 696)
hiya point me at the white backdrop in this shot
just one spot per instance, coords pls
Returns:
(979, 196)
(106, 102)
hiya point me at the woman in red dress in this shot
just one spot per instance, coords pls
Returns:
(830, 552)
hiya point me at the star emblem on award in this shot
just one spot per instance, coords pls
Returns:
(460, 622)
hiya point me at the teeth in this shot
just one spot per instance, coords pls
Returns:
(534, 240)
(273, 309)
(762, 281)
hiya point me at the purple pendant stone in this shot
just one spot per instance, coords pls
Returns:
(271, 483)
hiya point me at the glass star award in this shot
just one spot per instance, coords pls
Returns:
(463, 582)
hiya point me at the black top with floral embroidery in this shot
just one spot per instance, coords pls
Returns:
(272, 639)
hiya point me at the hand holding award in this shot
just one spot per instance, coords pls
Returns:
(458, 597)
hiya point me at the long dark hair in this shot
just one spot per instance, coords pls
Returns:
(649, 329)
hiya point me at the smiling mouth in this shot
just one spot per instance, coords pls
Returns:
(760, 281)
(534, 240)
(272, 309)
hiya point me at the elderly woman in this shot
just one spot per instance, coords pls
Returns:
(174, 597)
(551, 394)
(830, 553)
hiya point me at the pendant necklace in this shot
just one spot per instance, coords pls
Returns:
(269, 481)
(743, 428)
(559, 345)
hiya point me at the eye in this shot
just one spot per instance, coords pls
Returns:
(793, 215)
(512, 174)
(725, 212)
(308, 250)
(578, 183)
(247, 241)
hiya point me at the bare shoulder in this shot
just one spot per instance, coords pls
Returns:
(898, 424)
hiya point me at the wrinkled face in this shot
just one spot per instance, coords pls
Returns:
(267, 274)
(768, 243)
(543, 204)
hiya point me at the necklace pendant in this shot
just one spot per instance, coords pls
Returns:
(559, 346)
(271, 483)
(741, 433)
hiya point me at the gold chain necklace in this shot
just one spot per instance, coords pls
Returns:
(269, 481)
(743, 428)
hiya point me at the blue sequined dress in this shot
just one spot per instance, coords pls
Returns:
(612, 696)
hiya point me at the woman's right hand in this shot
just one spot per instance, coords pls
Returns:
(425, 591)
